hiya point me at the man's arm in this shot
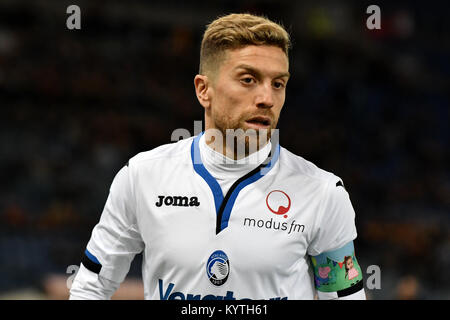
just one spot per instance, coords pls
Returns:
(114, 242)
(337, 274)
(88, 285)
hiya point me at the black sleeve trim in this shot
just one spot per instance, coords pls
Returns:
(353, 289)
(90, 265)
(340, 184)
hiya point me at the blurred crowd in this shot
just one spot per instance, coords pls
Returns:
(371, 106)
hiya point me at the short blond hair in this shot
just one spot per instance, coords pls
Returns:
(238, 30)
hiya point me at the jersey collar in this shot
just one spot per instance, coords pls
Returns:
(224, 205)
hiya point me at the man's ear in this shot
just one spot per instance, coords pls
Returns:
(203, 90)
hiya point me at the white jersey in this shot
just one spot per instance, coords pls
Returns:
(206, 236)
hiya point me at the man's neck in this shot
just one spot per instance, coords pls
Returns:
(235, 149)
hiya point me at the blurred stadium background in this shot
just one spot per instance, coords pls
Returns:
(370, 106)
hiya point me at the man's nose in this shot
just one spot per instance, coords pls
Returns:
(264, 97)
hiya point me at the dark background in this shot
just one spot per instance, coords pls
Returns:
(371, 106)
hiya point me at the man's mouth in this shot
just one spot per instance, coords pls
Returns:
(259, 122)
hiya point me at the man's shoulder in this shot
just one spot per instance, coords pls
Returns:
(299, 166)
(162, 153)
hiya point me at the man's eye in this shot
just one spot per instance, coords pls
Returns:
(278, 85)
(247, 80)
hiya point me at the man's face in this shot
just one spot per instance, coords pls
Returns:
(248, 90)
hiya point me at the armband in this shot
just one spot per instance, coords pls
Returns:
(337, 271)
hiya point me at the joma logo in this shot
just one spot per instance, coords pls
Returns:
(177, 201)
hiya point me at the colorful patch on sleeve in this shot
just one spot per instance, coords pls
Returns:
(336, 270)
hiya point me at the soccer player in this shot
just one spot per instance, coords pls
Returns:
(228, 218)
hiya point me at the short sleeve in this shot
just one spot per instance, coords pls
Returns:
(336, 221)
(116, 239)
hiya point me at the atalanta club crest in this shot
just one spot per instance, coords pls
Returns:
(218, 268)
(278, 202)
